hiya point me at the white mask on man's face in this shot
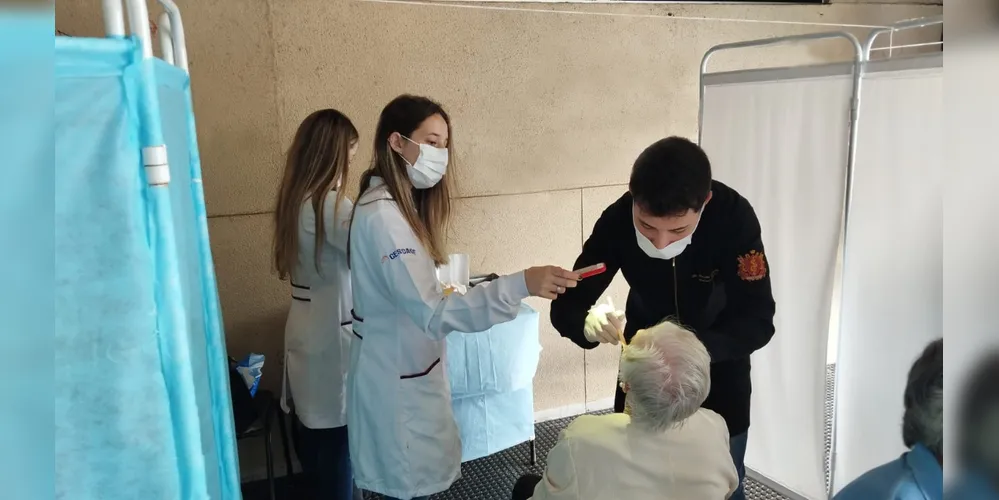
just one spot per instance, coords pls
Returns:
(671, 250)
(429, 167)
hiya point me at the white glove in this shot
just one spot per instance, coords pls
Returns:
(604, 324)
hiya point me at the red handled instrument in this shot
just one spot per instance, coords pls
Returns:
(589, 271)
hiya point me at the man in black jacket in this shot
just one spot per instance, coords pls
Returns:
(691, 251)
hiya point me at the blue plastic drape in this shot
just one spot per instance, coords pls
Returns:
(142, 403)
(491, 375)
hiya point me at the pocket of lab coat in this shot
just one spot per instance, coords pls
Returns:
(310, 342)
(421, 395)
(428, 421)
(346, 336)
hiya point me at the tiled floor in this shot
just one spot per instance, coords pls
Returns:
(492, 477)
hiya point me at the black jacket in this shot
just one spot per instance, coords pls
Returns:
(720, 283)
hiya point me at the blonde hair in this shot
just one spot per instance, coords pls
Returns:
(318, 159)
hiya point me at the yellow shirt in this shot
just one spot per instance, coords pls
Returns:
(601, 457)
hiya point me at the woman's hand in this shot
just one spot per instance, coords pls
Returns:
(549, 281)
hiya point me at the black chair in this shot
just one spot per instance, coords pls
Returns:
(254, 417)
(268, 407)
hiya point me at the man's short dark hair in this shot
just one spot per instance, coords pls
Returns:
(922, 422)
(670, 177)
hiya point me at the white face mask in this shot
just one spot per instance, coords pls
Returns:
(671, 250)
(429, 168)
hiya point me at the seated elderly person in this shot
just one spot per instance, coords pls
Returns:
(668, 447)
(918, 473)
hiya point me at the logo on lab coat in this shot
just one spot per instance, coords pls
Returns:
(398, 253)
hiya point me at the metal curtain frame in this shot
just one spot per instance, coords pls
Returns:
(114, 18)
(866, 60)
(173, 47)
(173, 42)
(165, 34)
(157, 177)
(858, 69)
(900, 26)
(175, 26)
(862, 58)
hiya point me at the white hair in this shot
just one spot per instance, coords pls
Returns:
(667, 372)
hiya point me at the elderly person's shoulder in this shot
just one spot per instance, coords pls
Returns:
(590, 425)
(710, 422)
(587, 427)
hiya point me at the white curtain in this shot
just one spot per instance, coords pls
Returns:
(892, 284)
(971, 248)
(782, 145)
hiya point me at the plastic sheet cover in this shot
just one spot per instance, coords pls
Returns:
(491, 375)
(893, 273)
(27, 245)
(200, 294)
(782, 145)
(120, 429)
(114, 434)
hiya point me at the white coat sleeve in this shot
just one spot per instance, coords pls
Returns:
(337, 222)
(559, 481)
(411, 277)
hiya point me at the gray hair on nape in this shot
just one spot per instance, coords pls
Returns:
(922, 422)
(668, 373)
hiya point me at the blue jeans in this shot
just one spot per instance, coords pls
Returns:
(737, 446)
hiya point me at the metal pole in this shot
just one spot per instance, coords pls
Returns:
(171, 316)
(138, 23)
(217, 365)
(765, 42)
(858, 71)
(851, 146)
(164, 34)
(114, 18)
(177, 34)
(901, 26)
(864, 58)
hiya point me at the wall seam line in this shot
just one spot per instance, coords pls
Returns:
(278, 111)
(540, 191)
(582, 239)
(240, 214)
(472, 197)
(471, 4)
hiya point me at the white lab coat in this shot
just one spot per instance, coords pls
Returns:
(404, 441)
(317, 333)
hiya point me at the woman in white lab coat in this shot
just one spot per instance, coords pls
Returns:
(310, 250)
(404, 442)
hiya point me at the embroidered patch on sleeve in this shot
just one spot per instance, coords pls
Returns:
(752, 266)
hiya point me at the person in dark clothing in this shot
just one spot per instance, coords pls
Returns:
(691, 250)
